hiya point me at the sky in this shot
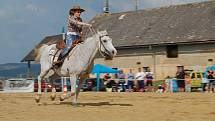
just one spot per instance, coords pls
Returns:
(24, 23)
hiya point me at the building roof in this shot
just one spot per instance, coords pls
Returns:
(47, 40)
(174, 24)
(187, 23)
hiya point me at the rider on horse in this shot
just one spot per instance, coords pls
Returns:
(74, 32)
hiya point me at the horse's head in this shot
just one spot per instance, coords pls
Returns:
(105, 45)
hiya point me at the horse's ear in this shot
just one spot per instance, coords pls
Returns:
(105, 31)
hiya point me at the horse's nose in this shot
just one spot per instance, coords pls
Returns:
(114, 52)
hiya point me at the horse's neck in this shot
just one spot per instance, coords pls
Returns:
(83, 55)
(89, 46)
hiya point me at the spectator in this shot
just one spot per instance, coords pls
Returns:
(107, 77)
(160, 89)
(139, 77)
(211, 81)
(180, 76)
(187, 83)
(130, 81)
(108, 82)
(168, 83)
(164, 86)
(122, 81)
(149, 78)
(204, 84)
(114, 83)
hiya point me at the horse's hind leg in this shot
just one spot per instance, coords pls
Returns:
(53, 95)
(39, 92)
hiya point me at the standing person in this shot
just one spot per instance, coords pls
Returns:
(122, 80)
(187, 83)
(130, 81)
(149, 79)
(180, 76)
(139, 77)
(74, 31)
(211, 81)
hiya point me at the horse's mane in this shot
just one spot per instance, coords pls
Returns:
(82, 49)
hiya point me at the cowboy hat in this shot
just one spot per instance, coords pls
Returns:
(76, 8)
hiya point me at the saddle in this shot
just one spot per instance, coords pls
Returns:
(76, 42)
(61, 45)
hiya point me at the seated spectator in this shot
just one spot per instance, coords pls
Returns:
(160, 89)
(107, 82)
(111, 86)
(107, 77)
(211, 81)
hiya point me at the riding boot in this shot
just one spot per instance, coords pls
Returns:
(59, 61)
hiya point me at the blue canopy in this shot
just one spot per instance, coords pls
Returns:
(210, 68)
(98, 68)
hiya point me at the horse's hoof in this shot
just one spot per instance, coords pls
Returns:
(53, 96)
(37, 99)
(62, 98)
(74, 104)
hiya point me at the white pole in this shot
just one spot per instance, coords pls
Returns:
(65, 86)
(62, 82)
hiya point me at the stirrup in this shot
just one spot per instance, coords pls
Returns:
(57, 63)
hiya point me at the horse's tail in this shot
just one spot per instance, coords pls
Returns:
(38, 52)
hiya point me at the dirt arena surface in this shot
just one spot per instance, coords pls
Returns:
(103, 106)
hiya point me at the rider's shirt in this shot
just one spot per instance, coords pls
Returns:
(73, 26)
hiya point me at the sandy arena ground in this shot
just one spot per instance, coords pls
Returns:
(110, 107)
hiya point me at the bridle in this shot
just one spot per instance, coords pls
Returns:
(101, 44)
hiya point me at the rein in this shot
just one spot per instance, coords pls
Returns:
(100, 43)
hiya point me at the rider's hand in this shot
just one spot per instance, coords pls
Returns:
(88, 25)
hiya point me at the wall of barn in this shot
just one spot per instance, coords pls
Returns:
(191, 56)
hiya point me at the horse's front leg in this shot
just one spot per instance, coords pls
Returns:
(74, 90)
(82, 78)
(73, 81)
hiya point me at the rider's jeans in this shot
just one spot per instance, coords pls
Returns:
(69, 39)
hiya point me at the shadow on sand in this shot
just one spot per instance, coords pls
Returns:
(97, 104)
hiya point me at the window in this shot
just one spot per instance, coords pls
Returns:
(172, 51)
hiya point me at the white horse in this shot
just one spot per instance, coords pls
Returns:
(78, 64)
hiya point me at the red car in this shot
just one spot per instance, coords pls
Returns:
(45, 85)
